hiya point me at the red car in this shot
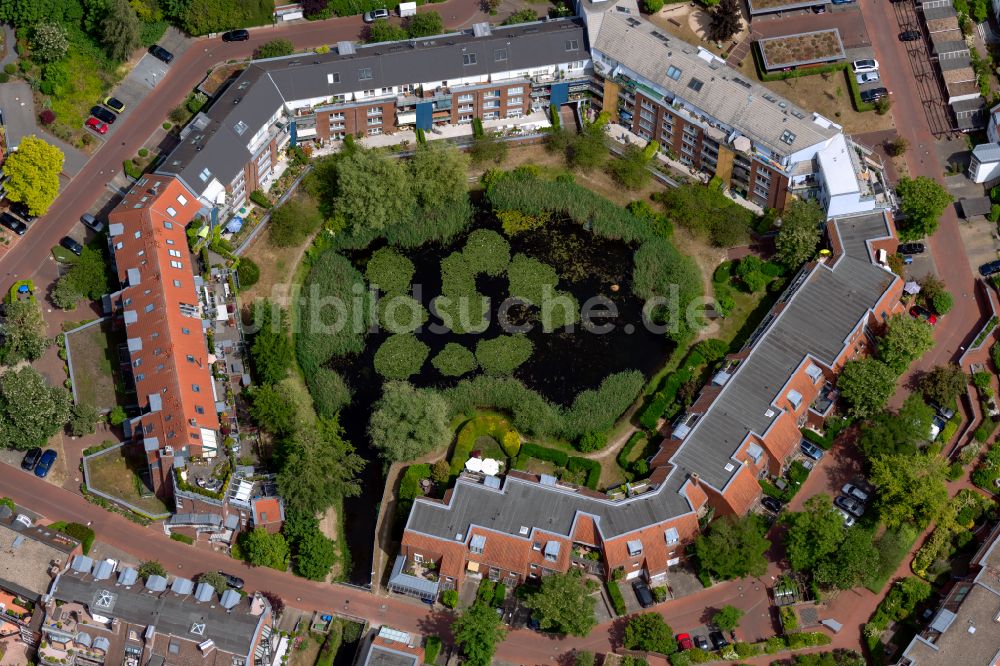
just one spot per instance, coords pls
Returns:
(684, 642)
(97, 125)
(920, 312)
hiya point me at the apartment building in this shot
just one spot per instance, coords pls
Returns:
(96, 616)
(159, 306)
(503, 72)
(714, 120)
(742, 427)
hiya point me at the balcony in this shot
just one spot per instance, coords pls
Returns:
(826, 399)
(587, 558)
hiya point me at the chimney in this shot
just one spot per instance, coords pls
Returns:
(694, 478)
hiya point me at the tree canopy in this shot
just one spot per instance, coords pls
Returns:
(477, 630)
(31, 411)
(648, 631)
(424, 24)
(906, 339)
(383, 31)
(901, 433)
(726, 20)
(271, 350)
(733, 548)
(33, 174)
(942, 384)
(800, 232)
(814, 533)
(439, 173)
(23, 332)
(564, 604)
(922, 200)
(866, 384)
(408, 422)
(263, 549)
(373, 191)
(708, 213)
(314, 555)
(727, 618)
(319, 467)
(911, 489)
(120, 30)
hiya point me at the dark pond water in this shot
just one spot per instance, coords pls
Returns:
(562, 365)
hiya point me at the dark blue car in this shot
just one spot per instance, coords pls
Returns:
(45, 463)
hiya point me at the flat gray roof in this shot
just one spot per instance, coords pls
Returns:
(707, 83)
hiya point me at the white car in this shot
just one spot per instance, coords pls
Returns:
(375, 14)
(866, 77)
(866, 65)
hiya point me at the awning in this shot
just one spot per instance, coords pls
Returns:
(491, 467)
(472, 567)
(234, 224)
(911, 288)
(474, 464)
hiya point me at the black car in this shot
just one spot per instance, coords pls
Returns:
(161, 53)
(12, 223)
(20, 209)
(911, 248)
(990, 268)
(31, 459)
(850, 505)
(232, 581)
(71, 245)
(236, 36)
(104, 115)
(718, 640)
(874, 94)
(771, 504)
(643, 594)
(909, 35)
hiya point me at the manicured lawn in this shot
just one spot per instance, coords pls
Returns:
(93, 356)
(62, 255)
(112, 474)
(830, 95)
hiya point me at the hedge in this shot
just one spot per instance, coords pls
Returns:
(626, 451)
(432, 647)
(183, 538)
(592, 467)
(615, 594)
(81, 533)
(554, 456)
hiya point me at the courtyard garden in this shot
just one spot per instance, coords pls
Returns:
(93, 358)
(113, 473)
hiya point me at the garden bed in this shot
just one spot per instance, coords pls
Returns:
(805, 48)
(114, 475)
(93, 359)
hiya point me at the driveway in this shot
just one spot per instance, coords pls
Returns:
(20, 121)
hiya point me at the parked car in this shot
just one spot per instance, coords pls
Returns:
(236, 36)
(20, 209)
(771, 504)
(841, 2)
(990, 268)
(103, 114)
(45, 463)
(375, 14)
(853, 491)
(92, 223)
(873, 95)
(702, 643)
(848, 518)
(643, 593)
(12, 223)
(684, 642)
(920, 312)
(161, 53)
(97, 125)
(114, 104)
(866, 77)
(811, 450)
(945, 413)
(232, 581)
(719, 641)
(909, 35)
(911, 248)
(71, 245)
(31, 459)
(819, 9)
(850, 505)
(866, 65)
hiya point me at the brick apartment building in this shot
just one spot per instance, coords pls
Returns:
(159, 306)
(743, 426)
(502, 72)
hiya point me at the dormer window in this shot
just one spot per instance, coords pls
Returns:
(794, 399)
(477, 545)
(634, 548)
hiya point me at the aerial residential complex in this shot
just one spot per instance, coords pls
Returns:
(744, 426)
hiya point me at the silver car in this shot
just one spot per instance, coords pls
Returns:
(854, 492)
(375, 14)
(866, 77)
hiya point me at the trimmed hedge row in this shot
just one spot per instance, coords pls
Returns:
(664, 403)
(183, 538)
(616, 597)
(592, 467)
(554, 456)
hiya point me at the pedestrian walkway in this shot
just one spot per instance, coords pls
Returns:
(10, 41)
(20, 120)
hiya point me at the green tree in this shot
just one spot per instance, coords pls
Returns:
(408, 422)
(400, 356)
(263, 549)
(922, 200)
(901, 433)
(215, 579)
(488, 148)
(584, 659)
(631, 169)
(708, 213)
(800, 232)
(652, 6)
(89, 276)
(866, 384)
(33, 174)
(477, 630)
(390, 271)
(733, 548)
(727, 618)
(151, 568)
(120, 30)
(64, 295)
(372, 191)
(281, 408)
(31, 411)
(424, 24)
(319, 468)
(526, 15)
(117, 416)
(274, 49)
(23, 332)
(49, 42)
(502, 355)
(314, 555)
(247, 272)
(588, 150)
(911, 489)
(943, 384)
(82, 419)
(648, 631)
(383, 31)
(726, 21)
(814, 533)
(438, 173)
(564, 604)
(906, 339)
(855, 562)
(271, 350)
(293, 222)
(454, 360)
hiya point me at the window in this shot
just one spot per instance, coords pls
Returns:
(572, 45)
(139, 377)
(137, 363)
(477, 544)
(205, 175)
(552, 551)
(515, 101)
(195, 388)
(170, 225)
(365, 74)
(176, 264)
(173, 253)
(754, 451)
(674, 73)
(671, 535)
(695, 84)
(466, 97)
(418, 558)
(634, 548)
(240, 127)
(500, 55)
(182, 200)
(186, 331)
(537, 546)
(468, 58)
(814, 372)
(333, 78)
(515, 91)
(177, 283)
(149, 307)
(190, 358)
(492, 115)
(199, 409)
(794, 398)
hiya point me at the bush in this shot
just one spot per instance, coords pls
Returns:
(261, 199)
(592, 441)
(274, 49)
(617, 601)
(454, 360)
(390, 271)
(400, 356)
(432, 646)
(450, 599)
(47, 117)
(499, 594)
(247, 273)
(183, 538)
(504, 354)
(81, 533)
(592, 467)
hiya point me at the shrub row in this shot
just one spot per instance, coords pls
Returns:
(183, 538)
(592, 467)
(554, 456)
(988, 471)
(617, 601)
(664, 403)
